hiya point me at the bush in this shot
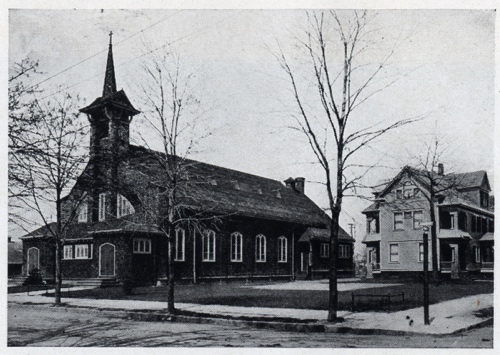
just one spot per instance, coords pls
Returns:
(128, 285)
(34, 278)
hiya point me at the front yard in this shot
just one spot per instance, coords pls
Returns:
(308, 296)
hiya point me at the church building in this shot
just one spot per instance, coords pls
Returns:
(261, 228)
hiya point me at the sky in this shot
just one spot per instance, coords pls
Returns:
(444, 64)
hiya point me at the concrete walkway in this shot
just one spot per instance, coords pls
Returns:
(446, 317)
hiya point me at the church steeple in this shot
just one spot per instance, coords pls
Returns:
(109, 79)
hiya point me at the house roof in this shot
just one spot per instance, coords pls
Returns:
(15, 252)
(487, 237)
(453, 234)
(372, 237)
(323, 235)
(225, 191)
(78, 231)
(445, 183)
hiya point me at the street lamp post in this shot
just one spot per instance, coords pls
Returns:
(425, 228)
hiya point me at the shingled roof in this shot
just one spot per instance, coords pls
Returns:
(78, 231)
(323, 235)
(233, 192)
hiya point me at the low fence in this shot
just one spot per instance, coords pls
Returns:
(383, 300)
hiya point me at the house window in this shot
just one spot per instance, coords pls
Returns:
(260, 248)
(477, 254)
(394, 253)
(236, 247)
(208, 245)
(420, 251)
(68, 252)
(142, 246)
(398, 220)
(399, 194)
(324, 250)
(417, 219)
(81, 251)
(282, 249)
(491, 226)
(123, 207)
(180, 242)
(83, 213)
(102, 206)
(344, 251)
(373, 225)
(473, 224)
(484, 196)
(408, 189)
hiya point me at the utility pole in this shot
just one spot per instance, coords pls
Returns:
(425, 228)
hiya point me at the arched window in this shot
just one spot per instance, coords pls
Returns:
(282, 249)
(236, 247)
(83, 212)
(33, 259)
(260, 248)
(208, 245)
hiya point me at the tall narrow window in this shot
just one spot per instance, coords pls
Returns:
(398, 221)
(102, 206)
(420, 251)
(83, 213)
(282, 249)
(236, 247)
(477, 254)
(180, 242)
(394, 253)
(324, 250)
(208, 245)
(260, 248)
(417, 219)
(68, 252)
(124, 207)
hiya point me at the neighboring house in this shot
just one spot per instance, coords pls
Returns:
(315, 252)
(114, 236)
(15, 258)
(464, 220)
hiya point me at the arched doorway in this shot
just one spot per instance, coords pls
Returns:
(107, 260)
(33, 259)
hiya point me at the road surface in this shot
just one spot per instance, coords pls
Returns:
(43, 325)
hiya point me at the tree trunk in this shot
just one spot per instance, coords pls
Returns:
(58, 281)
(435, 270)
(333, 293)
(170, 282)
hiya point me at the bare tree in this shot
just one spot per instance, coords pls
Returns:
(22, 135)
(429, 172)
(51, 168)
(172, 119)
(337, 46)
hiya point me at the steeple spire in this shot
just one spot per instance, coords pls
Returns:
(109, 79)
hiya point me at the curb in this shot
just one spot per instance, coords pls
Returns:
(302, 327)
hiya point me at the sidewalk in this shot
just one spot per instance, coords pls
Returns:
(446, 317)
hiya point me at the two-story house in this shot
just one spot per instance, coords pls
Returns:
(114, 235)
(464, 217)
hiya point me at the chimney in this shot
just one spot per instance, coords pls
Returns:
(290, 183)
(300, 184)
(440, 169)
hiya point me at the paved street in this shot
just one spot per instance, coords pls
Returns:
(43, 325)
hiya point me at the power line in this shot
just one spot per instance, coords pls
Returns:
(142, 55)
(104, 50)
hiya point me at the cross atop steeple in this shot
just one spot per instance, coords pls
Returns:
(109, 79)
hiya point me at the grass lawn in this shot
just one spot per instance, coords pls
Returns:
(236, 294)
